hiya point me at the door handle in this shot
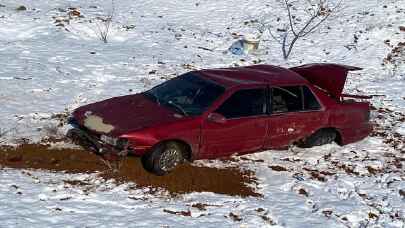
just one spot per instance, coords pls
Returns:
(290, 130)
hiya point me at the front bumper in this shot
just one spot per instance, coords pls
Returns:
(92, 141)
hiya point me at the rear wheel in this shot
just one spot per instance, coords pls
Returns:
(163, 158)
(320, 137)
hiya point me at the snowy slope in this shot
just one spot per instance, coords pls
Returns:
(47, 70)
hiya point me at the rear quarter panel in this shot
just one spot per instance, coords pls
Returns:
(351, 121)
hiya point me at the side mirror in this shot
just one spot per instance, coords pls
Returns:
(216, 118)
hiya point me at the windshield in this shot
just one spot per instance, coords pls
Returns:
(187, 94)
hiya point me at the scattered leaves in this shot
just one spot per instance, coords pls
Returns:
(302, 191)
(318, 176)
(235, 217)
(200, 206)
(182, 213)
(277, 168)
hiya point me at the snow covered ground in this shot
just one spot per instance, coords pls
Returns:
(51, 62)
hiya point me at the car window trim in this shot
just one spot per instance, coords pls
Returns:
(248, 117)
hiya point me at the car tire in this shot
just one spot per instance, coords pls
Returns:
(163, 158)
(320, 137)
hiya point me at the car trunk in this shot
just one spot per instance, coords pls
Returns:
(329, 77)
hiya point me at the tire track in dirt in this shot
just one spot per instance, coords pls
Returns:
(185, 179)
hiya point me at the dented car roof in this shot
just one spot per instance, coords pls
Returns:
(329, 77)
(256, 74)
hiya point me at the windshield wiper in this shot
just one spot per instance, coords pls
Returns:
(178, 107)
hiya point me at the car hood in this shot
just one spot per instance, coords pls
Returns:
(121, 115)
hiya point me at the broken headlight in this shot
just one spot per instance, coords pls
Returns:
(109, 140)
(122, 143)
(117, 142)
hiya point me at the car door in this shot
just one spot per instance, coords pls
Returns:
(295, 114)
(244, 127)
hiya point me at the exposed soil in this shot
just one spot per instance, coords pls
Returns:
(184, 179)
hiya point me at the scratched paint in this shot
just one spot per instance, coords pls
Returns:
(94, 122)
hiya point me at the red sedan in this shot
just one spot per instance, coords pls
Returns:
(214, 113)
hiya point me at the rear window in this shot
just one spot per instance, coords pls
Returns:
(286, 99)
(293, 99)
(310, 101)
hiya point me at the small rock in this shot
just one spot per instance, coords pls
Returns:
(200, 206)
(402, 193)
(259, 209)
(235, 217)
(402, 28)
(277, 168)
(75, 13)
(128, 27)
(1, 5)
(327, 212)
(302, 191)
(371, 215)
(21, 8)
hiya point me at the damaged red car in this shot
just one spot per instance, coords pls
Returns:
(212, 113)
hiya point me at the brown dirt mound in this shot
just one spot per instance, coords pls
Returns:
(185, 179)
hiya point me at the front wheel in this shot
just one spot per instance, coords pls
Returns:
(163, 158)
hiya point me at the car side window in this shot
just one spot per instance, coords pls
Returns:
(286, 99)
(310, 101)
(244, 103)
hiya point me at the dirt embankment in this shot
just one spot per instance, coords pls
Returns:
(185, 179)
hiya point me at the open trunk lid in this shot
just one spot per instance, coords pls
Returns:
(329, 77)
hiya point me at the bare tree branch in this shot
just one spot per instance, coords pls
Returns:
(318, 12)
(315, 26)
(290, 17)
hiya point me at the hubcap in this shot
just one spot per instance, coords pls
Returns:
(169, 159)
